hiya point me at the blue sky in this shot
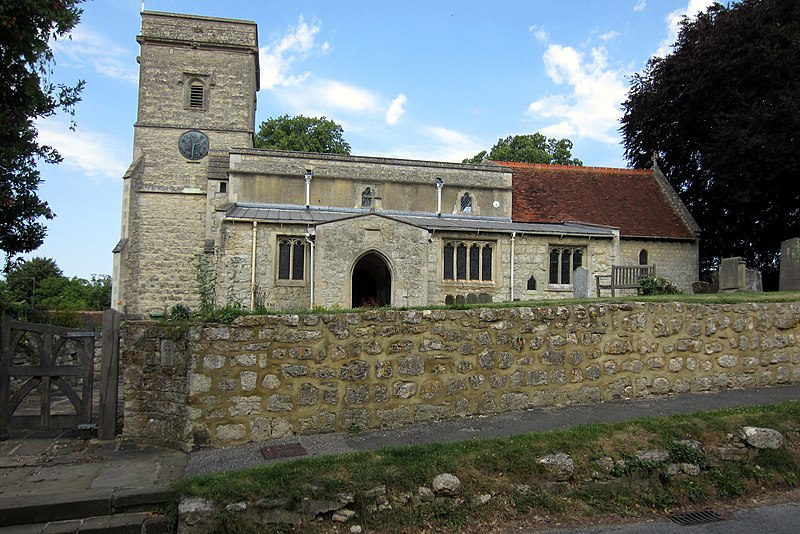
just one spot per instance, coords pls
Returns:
(434, 79)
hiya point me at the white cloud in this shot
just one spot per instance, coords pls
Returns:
(591, 107)
(438, 144)
(674, 20)
(539, 33)
(640, 6)
(324, 97)
(396, 109)
(88, 48)
(608, 36)
(276, 60)
(85, 151)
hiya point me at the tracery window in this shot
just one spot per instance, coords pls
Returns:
(564, 260)
(467, 260)
(291, 258)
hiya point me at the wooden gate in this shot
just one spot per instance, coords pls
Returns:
(41, 364)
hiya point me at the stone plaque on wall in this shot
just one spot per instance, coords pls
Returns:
(790, 265)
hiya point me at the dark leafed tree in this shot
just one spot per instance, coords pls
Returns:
(302, 134)
(722, 114)
(530, 148)
(27, 93)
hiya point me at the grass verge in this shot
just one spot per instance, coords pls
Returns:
(501, 467)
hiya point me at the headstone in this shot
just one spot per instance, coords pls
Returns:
(789, 279)
(484, 298)
(732, 274)
(472, 298)
(580, 283)
(460, 299)
(753, 282)
(449, 300)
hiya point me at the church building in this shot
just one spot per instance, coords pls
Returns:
(208, 218)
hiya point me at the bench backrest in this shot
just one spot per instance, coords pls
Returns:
(624, 275)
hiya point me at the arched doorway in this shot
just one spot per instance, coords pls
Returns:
(372, 282)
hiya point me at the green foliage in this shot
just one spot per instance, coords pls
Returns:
(302, 134)
(655, 285)
(35, 285)
(179, 312)
(27, 94)
(530, 148)
(721, 114)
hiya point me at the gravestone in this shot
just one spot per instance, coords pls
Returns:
(472, 298)
(485, 298)
(460, 300)
(789, 279)
(732, 274)
(449, 300)
(580, 283)
(754, 282)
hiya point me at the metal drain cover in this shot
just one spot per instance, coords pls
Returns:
(283, 451)
(695, 518)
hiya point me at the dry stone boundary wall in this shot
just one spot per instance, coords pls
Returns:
(267, 377)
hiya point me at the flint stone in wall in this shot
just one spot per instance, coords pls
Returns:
(308, 396)
(215, 333)
(245, 360)
(290, 370)
(486, 403)
(356, 394)
(537, 378)
(430, 412)
(553, 357)
(486, 359)
(618, 346)
(558, 376)
(248, 380)
(232, 432)
(632, 366)
(199, 384)
(411, 365)
(761, 438)
(622, 388)
(270, 382)
(319, 423)
(354, 418)
(430, 389)
(228, 384)
(593, 372)
(498, 380)
(279, 403)
(405, 390)
(727, 360)
(394, 417)
(661, 385)
(245, 405)
(513, 401)
(383, 369)
(381, 393)
(213, 361)
(355, 370)
(324, 373)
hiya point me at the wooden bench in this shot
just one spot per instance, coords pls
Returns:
(624, 277)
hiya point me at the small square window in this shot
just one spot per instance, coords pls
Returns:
(223, 187)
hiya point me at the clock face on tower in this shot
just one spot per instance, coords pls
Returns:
(193, 145)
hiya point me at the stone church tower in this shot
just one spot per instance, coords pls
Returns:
(198, 78)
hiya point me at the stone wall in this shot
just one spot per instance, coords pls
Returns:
(677, 261)
(267, 377)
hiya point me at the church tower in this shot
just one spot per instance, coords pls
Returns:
(198, 78)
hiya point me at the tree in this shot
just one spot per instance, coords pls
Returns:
(24, 278)
(302, 134)
(530, 148)
(722, 114)
(26, 94)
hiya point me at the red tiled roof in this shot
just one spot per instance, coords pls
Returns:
(629, 199)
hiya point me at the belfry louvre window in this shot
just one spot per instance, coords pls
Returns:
(466, 203)
(291, 258)
(196, 95)
(564, 260)
(467, 260)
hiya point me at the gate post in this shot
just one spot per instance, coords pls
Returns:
(5, 378)
(109, 376)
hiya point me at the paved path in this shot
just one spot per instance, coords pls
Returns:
(491, 426)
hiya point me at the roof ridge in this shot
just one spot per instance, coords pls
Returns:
(584, 168)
